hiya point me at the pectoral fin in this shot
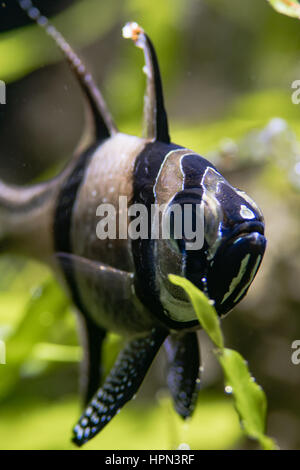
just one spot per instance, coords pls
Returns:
(106, 278)
(107, 293)
(120, 386)
(183, 371)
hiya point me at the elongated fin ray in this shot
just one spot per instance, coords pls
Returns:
(91, 334)
(183, 372)
(92, 337)
(155, 117)
(120, 386)
(101, 118)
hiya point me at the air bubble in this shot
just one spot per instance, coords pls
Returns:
(228, 389)
(297, 168)
(184, 446)
(36, 292)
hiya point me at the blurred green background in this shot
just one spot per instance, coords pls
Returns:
(227, 68)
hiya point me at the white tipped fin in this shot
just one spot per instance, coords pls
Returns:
(155, 116)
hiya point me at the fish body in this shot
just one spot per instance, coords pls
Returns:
(121, 283)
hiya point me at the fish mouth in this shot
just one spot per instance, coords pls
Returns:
(242, 230)
(235, 265)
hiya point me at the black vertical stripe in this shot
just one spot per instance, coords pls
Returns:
(65, 204)
(194, 167)
(147, 167)
(63, 221)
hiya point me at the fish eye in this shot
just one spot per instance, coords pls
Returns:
(213, 217)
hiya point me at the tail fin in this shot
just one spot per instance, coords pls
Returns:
(26, 218)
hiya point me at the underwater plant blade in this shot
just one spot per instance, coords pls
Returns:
(32, 329)
(249, 398)
(205, 312)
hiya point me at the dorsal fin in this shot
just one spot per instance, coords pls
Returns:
(155, 117)
(101, 118)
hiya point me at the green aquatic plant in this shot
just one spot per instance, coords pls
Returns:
(249, 398)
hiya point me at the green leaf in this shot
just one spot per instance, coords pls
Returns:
(286, 7)
(204, 310)
(46, 307)
(249, 397)
(56, 352)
